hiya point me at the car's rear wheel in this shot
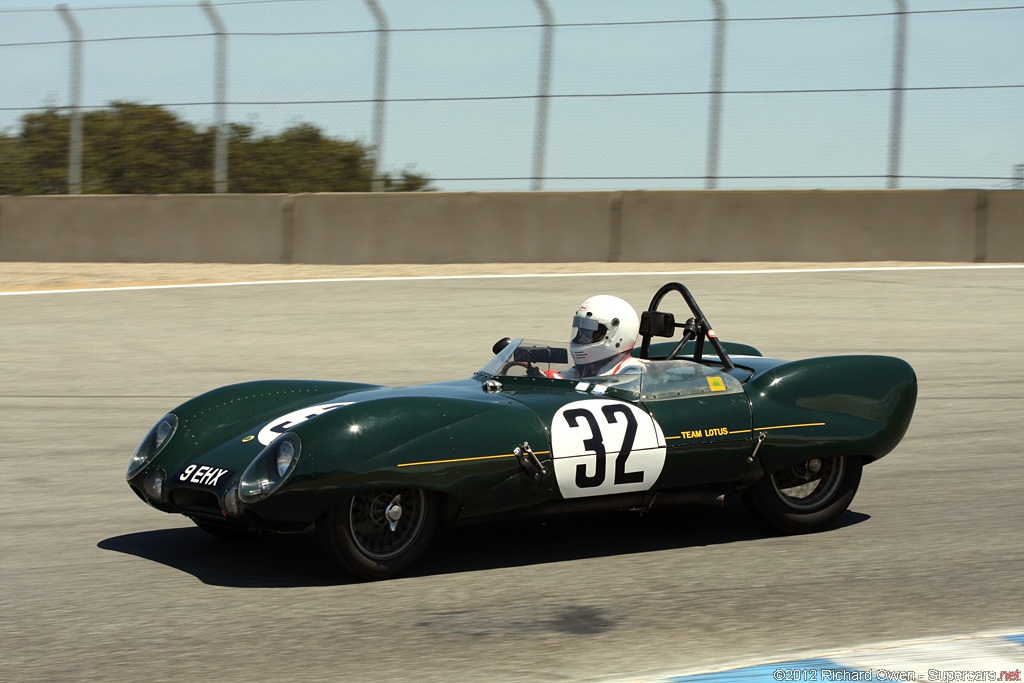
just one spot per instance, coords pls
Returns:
(225, 531)
(378, 534)
(807, 496)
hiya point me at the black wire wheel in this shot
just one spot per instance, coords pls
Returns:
(807, 496)
(378, 534)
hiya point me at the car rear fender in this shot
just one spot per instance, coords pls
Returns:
(840, 405)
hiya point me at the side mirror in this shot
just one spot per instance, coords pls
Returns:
(657, 324)
(500, 344)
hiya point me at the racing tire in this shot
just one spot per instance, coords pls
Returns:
(226, 532)
(807, 496)
(360, 537)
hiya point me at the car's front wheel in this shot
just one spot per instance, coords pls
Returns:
(807, 496)
(378, 534)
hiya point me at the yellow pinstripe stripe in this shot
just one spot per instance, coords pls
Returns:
(763, 429)
(512, 455)
(479, 457)
(809, 424)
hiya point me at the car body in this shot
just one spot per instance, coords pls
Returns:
(377, 469)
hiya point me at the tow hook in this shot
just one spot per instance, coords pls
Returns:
(529, 461)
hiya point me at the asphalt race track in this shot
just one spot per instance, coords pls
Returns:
(96, 586)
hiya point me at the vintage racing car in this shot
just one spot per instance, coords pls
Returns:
(378, 469)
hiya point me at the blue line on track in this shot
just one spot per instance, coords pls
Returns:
(799, 670)
(944, 656)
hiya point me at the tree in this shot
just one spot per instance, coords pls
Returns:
(410, 182)
(299, 159)
(134, 148)
(36, 160)
(13, 175)
(131, 148)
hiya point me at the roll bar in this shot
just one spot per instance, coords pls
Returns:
(655, 323)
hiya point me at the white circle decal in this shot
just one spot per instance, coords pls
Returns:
(282, 424)
(601, 446)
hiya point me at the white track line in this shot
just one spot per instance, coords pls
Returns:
(764, 271)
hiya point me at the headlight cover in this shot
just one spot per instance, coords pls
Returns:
(152, 444)
(270, 468)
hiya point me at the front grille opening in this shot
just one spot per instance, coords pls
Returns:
(197, 501)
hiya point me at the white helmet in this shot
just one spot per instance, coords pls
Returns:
(603, 327)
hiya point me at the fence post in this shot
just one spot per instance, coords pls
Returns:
(381, 81)
(220, 144)
(543, 93)
(75, 134)
(896, 116)
(717, 77)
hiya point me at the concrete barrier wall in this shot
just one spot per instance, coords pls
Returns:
(648, 226)
(142, 228)
(800, 226)
(451, 227)
(1002, 237)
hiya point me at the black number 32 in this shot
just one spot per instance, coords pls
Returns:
(595, 444)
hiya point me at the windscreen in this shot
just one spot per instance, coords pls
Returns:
(667, 379)
(551, 360)
(529, 357)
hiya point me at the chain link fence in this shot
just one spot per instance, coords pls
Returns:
(549, 94)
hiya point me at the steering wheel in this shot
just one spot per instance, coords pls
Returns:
(531, 369)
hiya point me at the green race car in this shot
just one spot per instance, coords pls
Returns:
(376, 470)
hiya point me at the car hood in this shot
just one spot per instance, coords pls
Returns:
(343, 426)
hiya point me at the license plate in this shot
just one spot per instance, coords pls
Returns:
(203, 475)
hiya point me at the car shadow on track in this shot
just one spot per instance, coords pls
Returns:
(295, 560)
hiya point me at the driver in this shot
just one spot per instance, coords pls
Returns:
(604, 330)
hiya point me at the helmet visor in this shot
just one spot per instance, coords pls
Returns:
(587, 330)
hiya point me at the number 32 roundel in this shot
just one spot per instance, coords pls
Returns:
(600, 446)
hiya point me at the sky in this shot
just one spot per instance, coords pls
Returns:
(629, 107)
